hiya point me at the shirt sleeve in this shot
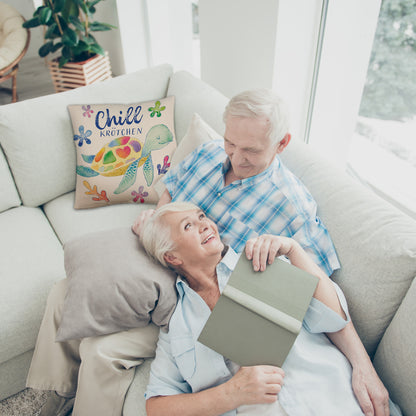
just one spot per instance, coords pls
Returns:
(315, 240)
(319, 318)
(165, 378)
(172, 179)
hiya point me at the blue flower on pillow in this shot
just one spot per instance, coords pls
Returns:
(82, 136)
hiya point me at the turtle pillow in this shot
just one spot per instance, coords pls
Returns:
(122, 151)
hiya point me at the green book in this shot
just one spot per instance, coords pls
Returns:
(259, 314)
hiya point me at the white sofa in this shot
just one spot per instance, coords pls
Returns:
(376, 244)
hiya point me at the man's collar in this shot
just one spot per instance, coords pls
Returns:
(252, 179)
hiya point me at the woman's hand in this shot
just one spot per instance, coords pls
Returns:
(264, 249)
(255, 385)
(141, 219)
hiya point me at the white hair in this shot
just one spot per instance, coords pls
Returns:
(156, 236)
(263, 104)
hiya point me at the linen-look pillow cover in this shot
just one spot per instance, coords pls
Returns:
(113, 286)
(122, 151)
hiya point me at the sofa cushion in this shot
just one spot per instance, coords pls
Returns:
(195, 96)
(394, 359)
(122, 151)
(37, 137)
(374, 241)
(113, 286)
(70, 223)
(31, 260)
(9, 197)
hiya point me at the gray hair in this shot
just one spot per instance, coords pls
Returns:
(261, 103)
(156, 236)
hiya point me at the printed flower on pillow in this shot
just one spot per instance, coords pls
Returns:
(121, 149)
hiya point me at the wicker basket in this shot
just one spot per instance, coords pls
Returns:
(78, 74)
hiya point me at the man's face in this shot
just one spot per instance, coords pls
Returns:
(247, 146)
(195, 236)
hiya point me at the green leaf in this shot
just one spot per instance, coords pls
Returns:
(77, 23)
(34, 22)
(45, 13)
(58, 5)
(66, 52)
(57, 46)
(70, 9)
(45, 49)
(52, 32)
(100, 27)
(62, 61)
(70, 37)
(96, 48)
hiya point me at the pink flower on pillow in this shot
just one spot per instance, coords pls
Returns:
(139, 196)
(87, 111)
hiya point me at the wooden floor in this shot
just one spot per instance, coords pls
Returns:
(33, 80)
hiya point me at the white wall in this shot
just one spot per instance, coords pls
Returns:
(238, 42)
(296, 40)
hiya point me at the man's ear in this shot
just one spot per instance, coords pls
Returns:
(283, 143)
(170, 258)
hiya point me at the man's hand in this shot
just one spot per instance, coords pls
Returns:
(370, 392)
(264, 249)
(255, 385)
(141, 219)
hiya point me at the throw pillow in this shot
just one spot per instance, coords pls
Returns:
(122, 151)
(113, 285)
(198, 132)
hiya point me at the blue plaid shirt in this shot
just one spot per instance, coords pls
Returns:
(273, 202)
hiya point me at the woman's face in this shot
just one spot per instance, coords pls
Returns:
(195, 236)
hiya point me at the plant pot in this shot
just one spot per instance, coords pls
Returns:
(78, 74)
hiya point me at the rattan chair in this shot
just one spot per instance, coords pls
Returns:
(14, 42)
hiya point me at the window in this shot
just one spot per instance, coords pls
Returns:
(383, 147)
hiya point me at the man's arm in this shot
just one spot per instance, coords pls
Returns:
(368, 388)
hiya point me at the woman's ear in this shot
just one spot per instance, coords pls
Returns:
(170, 258)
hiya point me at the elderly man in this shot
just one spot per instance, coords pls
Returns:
(242, 185)
(246, 190)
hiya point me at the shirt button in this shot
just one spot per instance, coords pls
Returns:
(219, 194)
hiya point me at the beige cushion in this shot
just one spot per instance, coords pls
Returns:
(122, 151)
(375, 242)
(394, 359)
(41, 152)
(31, 259)
(194, 96)
(113, 285)
(13, 36)
(69, 223)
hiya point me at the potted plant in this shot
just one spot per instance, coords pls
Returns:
(68, 30)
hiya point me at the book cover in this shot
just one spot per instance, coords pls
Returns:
(259, 314)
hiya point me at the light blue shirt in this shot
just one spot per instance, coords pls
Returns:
(273, 202)
(317, 375)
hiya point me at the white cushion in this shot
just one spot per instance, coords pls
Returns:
(195, 96)
(8, 193)
(31, 261)
(375, 242)
(37, 138)
(70, 223)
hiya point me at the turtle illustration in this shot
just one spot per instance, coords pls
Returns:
(124, 155)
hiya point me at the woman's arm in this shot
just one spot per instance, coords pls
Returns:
(250, 385)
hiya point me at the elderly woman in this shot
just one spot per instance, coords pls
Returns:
(188, 378)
